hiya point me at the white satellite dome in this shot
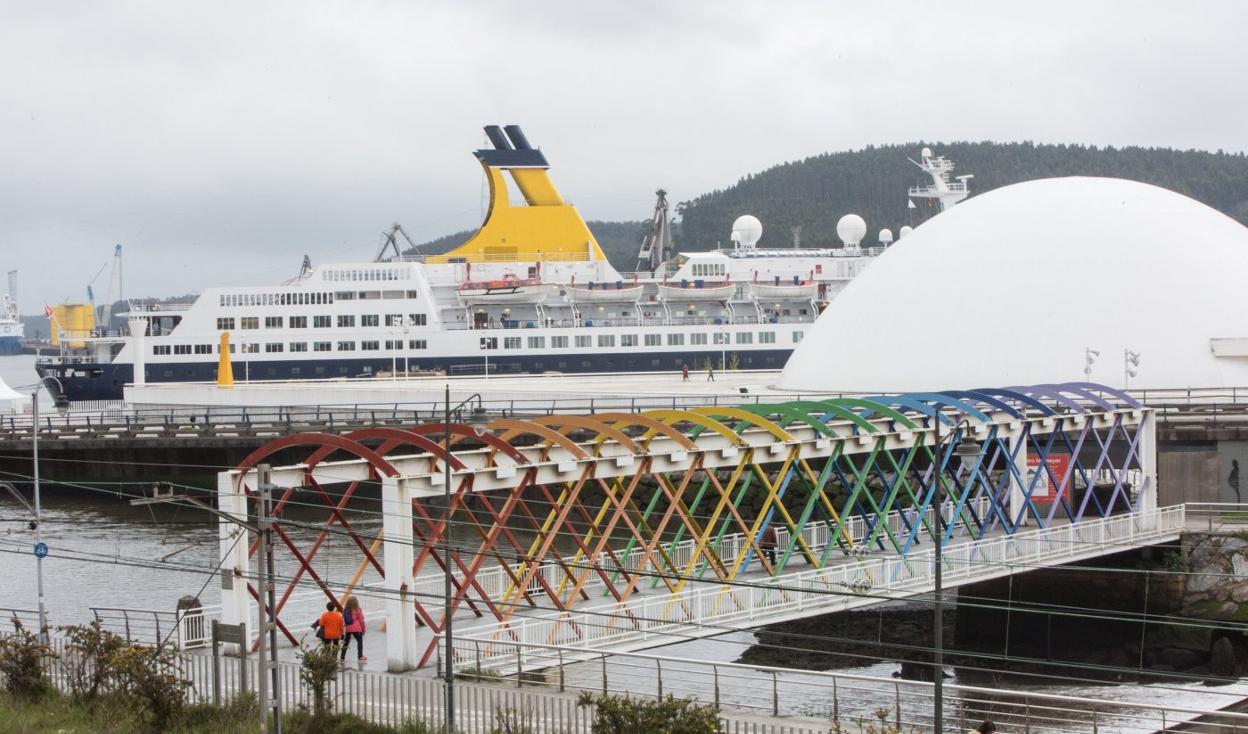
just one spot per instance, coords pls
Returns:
(1015, 284)
(851, 229)
(746, 230)
(886, 236)
(907, 229)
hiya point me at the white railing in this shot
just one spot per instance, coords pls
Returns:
(396, 700)
(846, 697)
(710, 607)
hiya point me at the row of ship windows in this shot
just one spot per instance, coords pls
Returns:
(347, 274)
(368, 345)
(344, 321)
(630, 340)
(700, 270)
(316, 298)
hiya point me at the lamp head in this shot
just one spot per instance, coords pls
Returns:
(478, 419)
(967, 451)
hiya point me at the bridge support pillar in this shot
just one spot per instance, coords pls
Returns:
(235, 604)
(401, 652)
(1147, 451)
(1018, 490)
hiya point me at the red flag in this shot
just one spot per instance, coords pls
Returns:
(47, 310)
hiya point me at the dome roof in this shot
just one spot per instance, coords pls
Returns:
(1010, 288)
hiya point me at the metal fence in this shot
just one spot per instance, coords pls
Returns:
(393, 700)
(850, 699)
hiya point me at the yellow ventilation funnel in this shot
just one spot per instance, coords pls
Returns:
(544, 229)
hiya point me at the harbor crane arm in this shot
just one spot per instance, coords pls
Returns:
(389, 243)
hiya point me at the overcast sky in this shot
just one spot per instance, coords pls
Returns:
(219, 142)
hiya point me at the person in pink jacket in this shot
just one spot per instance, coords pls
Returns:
(353, 616)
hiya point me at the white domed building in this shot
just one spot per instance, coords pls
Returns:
(1014, 286)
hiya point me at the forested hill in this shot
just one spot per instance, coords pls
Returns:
(814, 193)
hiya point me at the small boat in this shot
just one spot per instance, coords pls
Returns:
(509, 289)
(604, 293)
(696, 291)
(803, 291)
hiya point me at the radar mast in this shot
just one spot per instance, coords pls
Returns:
(942, 189)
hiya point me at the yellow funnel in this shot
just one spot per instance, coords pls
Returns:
(225, 371)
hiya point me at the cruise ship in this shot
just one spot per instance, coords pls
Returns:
(11, 330)
(530, 292)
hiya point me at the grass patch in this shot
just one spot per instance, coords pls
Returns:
(60, 714)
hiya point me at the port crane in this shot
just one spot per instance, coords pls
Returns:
(103, 313)
(390, 243)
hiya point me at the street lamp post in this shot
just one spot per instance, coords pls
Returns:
(62, 405)
(966, 451)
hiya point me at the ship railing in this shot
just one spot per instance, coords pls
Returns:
(618, 322)
(954, 187)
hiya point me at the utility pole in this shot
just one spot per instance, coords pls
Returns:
(268, 686)
(447, 629)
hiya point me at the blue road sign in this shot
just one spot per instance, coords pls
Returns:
(41, 550)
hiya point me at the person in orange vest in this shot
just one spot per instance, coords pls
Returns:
(330, 626)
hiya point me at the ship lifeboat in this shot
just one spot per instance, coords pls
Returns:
(504, 290)
(696, 291)
(803, 291)
(604, 293)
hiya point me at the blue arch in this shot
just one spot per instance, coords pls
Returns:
(986, 400)
(1051, 392)
(1075, 387)
(1129, 401)
(1014, 394)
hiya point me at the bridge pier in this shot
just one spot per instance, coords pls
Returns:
(235, 542)
(396, 499)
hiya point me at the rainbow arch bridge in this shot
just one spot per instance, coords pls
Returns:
(620, 531)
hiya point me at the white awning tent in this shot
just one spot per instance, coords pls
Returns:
(11, 401)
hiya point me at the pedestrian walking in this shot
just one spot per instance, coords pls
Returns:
(985, 728)
(353, 619)
(710, 372)
(329, 628)
(684, 372)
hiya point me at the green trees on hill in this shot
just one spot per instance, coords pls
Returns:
(814, 193)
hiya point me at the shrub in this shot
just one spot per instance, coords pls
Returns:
(90, 660)
(150, 678)
(671, 715)
(22, 658)
(318, 669)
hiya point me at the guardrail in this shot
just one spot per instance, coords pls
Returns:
(845, 698)
(654, 620)
(1208, 405)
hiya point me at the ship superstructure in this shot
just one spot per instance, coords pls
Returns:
(11, 330)
(530, 292)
